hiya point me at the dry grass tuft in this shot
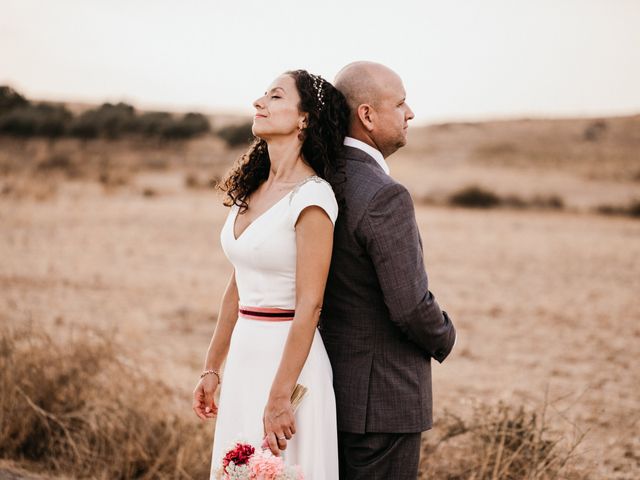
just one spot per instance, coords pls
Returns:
(77, 409)
(149, 192)
(22, 187)
(498, 443)
(111, 179)
(193, 180)
(540, 202)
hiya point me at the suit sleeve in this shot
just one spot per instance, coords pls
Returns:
(391, 237)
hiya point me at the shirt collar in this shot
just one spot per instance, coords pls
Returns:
(376, 154)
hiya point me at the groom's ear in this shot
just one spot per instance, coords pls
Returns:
(366, 116)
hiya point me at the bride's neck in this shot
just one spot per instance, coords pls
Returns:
(286, 160)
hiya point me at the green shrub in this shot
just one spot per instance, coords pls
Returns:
(108, 120)
(191, 125)
(20, 118)
(21, 122)
(36, 120)
(475, 197)
(237, 135)
(631, 210)
(595, 130)
(10, 99)
(152, 124)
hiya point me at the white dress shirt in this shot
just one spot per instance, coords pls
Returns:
(377, 156)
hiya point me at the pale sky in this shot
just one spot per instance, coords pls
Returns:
(458, 59)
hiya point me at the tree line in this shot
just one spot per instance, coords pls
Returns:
(22, 118)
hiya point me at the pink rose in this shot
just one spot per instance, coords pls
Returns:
(265, 466)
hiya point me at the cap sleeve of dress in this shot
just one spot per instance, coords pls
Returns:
(313, 192)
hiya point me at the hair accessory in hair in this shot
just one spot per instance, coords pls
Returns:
(318, 86)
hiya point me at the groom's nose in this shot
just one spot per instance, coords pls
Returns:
(409, 113)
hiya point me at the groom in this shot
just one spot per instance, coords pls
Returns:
(380, 323)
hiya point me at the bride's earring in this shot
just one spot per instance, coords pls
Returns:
(301, 133)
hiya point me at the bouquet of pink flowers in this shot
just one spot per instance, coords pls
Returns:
(244, 462)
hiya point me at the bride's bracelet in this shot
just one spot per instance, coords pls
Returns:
(207, 372)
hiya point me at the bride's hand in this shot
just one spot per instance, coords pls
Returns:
(279, 424)
(203, 402)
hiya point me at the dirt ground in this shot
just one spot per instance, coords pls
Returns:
(546, 303)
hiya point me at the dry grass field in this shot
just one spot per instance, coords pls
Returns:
(121, 238)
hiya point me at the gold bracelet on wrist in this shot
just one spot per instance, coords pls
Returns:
(207, 372)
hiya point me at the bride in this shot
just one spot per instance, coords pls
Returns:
(278, 236)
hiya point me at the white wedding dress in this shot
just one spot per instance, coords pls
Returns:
(264, 257)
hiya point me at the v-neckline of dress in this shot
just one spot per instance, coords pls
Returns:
(233, 224)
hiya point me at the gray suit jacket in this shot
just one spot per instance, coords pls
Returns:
(380, 323)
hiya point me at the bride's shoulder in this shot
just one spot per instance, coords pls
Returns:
(312, 186)
(313, 190)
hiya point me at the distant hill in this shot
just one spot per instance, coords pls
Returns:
(593, 147)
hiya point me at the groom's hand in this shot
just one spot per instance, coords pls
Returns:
(279, 424)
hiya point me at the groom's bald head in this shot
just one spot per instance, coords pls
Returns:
(376, 98)
(362, 82)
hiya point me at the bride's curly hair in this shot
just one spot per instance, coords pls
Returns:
(326, 128)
